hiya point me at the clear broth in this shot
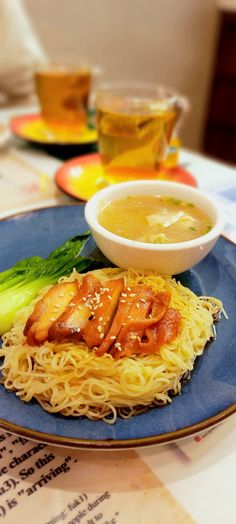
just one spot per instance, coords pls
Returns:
(154, 219)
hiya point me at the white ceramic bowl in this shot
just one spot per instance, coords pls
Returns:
(163, 258)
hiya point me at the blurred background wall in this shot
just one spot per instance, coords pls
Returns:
(171, 42)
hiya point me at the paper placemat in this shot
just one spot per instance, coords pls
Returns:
(24, 187)
(57, 485)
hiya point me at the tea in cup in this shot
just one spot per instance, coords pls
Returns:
(63, 91)
(135, 124)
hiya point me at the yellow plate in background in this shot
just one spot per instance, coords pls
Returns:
(83, 176)
(34, 129)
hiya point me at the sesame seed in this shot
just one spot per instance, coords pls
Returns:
(133, 294)
(129, 316)
(133, 337)
(84, 299)
(52, 319)
(101, 335)
(143, 300)
(124, 294)
(100, 305)
(117, 345)
(113, 337)
(128, 288)
(123, 301)
(100, 319)
(99, 328)
(109, 296)
(137, 305)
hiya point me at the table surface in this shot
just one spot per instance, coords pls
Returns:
(190, 481)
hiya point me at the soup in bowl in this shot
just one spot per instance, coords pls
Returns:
(154, 225)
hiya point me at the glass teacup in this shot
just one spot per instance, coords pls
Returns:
(135, 123)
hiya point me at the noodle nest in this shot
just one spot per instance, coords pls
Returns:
(70, 379)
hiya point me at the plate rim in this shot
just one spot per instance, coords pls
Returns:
(14, 120)
(118, 444)
(110, 444)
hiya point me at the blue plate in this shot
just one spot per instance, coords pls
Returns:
(208, 398)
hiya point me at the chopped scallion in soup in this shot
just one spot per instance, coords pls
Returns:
(154, 219)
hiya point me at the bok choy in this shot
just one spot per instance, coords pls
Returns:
(21, 283)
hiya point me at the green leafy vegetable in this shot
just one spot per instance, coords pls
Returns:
(21, 283)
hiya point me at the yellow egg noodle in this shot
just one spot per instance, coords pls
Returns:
(70, 379)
